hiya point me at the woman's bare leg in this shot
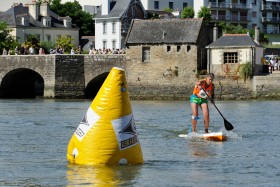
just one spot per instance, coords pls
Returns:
(194, 116)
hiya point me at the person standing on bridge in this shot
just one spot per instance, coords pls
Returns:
(199, 98)
(4, 52)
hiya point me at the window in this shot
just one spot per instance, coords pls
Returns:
(178, 48)
(113, 27)
(48, 23)
(171, 5)
(114, 44)
(230, 57)
(104, 28)
(168, 48)
(254, 14)
(156, 5)
(48, 37)
(145, 54)
(188, 48)
(185, 5)
(104, 44)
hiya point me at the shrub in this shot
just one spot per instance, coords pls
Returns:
(245, 71)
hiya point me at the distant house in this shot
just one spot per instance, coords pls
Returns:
(169, 40)
(39, 21)
(112, 22)
(230, 50)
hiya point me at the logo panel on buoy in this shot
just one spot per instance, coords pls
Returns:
(125, 131)
(85, 125)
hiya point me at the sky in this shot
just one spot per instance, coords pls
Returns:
(6, 4)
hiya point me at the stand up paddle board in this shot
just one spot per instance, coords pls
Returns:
(213, 136)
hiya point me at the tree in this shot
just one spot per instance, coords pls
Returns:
(205, 13)
(82, 19)
(33, 41)
(6, 40)
(47, 45)
(188, 12)
(65, 43)
(232, 29)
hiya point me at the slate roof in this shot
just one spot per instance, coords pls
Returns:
(13, 18)
(159, 31)
(118, 8)
(234, 40)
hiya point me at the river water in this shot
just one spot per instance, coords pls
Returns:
(34, 135)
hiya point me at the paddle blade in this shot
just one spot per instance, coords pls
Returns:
(228, 125)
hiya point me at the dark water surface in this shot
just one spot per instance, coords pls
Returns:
(34, 135)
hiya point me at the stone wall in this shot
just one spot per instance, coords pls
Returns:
(74, 72)
(167, 75)
(69, 76)
(267, 87)
(95, 65)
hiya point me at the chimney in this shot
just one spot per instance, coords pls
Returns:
(215, 33)
(105, 7)
(257, 35)
(44, 9)
(34, 10)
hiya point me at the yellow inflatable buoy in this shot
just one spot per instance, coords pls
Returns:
(107, 134)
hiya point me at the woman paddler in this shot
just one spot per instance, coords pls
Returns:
(199, 98)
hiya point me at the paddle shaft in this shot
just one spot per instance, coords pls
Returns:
(227, 124)
(213, 103)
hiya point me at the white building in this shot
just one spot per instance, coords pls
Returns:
(39, 21)
(176, 5)
(248, 13)
(113, 21)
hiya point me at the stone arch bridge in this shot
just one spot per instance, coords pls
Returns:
(55, 76)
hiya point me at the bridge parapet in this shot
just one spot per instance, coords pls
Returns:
(64, 76)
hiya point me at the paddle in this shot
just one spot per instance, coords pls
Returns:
(227, 124)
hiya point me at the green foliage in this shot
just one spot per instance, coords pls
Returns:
(47, 46)
(168, 10)
(245, 71)
(82, 19)
(6, 40)
(232, 29)
(32, 40)
(188, 12)
(65, 43)
(153, 16)
(205, 13)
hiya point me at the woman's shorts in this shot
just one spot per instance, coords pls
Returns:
(197, 100)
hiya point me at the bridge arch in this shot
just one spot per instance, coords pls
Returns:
(22, 83)
(94, 85)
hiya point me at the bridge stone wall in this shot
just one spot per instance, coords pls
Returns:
(43, 65)
(74, 72)
(65, 76)
(95, 65)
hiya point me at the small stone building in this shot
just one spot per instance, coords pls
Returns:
(227, 53)
(164, 56)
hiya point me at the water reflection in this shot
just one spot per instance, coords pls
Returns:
(203, 148)
(101, 175)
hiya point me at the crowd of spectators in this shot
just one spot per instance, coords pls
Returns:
(106, 51)
(59, 50)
